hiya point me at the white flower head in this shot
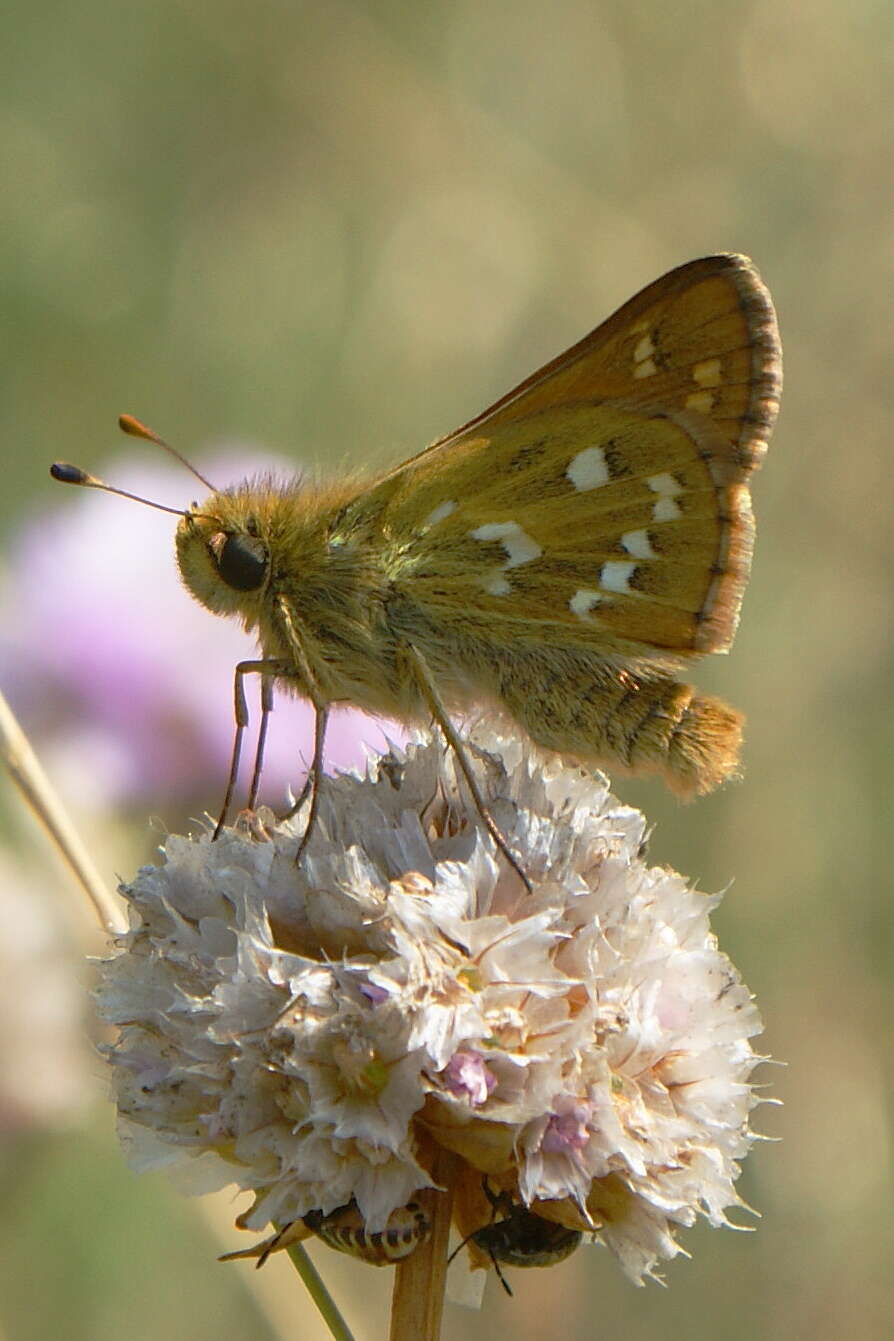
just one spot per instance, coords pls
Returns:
(310, 1032)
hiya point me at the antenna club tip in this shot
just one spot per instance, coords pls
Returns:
(66, 474)
(132, 426)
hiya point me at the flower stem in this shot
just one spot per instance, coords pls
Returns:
(313, 1283)
(420, 1279)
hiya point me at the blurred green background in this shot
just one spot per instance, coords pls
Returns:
(335, 230)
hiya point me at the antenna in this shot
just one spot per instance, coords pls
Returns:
(67, 474)
(134, 429)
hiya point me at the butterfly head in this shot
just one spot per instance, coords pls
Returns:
(224, 552)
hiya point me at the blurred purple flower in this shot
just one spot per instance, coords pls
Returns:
(124, 680)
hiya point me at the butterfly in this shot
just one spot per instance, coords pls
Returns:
(562, 557)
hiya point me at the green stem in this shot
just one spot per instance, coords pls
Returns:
(319, 1294)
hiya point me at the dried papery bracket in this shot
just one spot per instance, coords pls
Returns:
(397, 1015)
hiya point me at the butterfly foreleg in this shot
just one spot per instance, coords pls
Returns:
(428, 690)
(269, 670)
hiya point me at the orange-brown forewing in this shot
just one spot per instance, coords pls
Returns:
(713, 311)
(622, 466)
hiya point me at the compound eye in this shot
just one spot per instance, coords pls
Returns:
(241, 562)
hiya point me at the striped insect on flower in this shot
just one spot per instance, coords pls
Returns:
(344, 1229)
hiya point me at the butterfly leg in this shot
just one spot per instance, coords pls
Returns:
(309, 683)
(306, 786)
(266, 709)
(321, 717)
(266, 669)
(433, 702)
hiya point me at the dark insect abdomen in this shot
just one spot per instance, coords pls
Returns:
(524, 1239)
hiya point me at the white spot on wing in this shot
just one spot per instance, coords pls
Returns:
(439, 513)
(707, 373)
(703, 401)
(583, 601)
(616, 576)
(664, 484)
(518, 545)
(589, 469)
(645, 369)
(643, 349)
(498, 586)
(666, 509)
(637, 544)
